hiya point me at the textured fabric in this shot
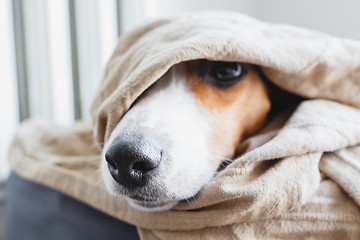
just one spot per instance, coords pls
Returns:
(297, 178)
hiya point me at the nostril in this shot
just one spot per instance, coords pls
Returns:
(110, 162)
(143, 166)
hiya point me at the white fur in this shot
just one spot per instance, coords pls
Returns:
(171, 109)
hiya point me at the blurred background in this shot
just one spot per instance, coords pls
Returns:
(53, 52)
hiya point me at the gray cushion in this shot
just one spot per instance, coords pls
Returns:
(36, 212)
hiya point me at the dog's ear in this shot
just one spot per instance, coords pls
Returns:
(280, 99)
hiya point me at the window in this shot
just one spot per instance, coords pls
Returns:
(51, 61)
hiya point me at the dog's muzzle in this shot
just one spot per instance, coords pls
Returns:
(133, 160)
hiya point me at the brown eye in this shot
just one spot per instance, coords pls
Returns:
(222, 74)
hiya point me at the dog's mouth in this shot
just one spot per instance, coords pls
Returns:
(152, 206)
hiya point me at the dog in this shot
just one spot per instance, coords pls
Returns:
(181, 130)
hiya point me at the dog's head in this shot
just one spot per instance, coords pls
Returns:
(173, 139)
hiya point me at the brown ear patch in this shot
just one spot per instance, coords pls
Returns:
(237, 111)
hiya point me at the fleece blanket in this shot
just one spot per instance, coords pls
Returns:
(299, 177)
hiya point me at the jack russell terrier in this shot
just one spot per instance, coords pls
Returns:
(177, 135)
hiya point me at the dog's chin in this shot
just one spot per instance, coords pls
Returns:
(152, 206)
(149, 206)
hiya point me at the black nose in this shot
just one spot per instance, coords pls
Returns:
(132, 161)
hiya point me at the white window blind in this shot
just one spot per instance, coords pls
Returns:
(94, 37)
(8, 93)
(52, 57)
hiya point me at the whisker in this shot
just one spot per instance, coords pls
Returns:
(223, 160)
(187, 200)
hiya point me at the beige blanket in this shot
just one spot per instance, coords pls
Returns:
(298, 178)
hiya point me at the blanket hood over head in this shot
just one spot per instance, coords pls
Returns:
(304, 62)
(299, 177)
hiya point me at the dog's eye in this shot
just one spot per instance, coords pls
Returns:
(222, 74)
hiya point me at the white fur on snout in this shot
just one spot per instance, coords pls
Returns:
(170, 109)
